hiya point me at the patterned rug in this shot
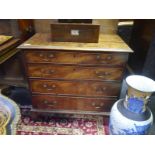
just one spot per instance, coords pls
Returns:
(62, 124)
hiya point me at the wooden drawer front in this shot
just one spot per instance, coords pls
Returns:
(47, 102)
(74, 72)
(76, 58)
(78, 88)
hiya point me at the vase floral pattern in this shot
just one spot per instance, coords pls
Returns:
(122, 125)
(131, 116)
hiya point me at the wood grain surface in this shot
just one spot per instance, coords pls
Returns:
(106, 43)
(73, 32)
(49, 102)
(76, 58)
(75, 88)
(74, 72)
(67, 76)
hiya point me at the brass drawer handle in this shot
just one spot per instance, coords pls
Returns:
(101, 104)
(49, 87)
(45, 85)
(93, 104)
(46, 57)
(97, 106)
(50, 103)
(109, 57)
(98, 57)
(41, 54)
(103, 88)
(105, 60)
(47, 71)
(50, 56)
(102, 74)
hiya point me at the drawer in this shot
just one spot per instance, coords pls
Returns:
(76, 58)
(74, 72)
(48, 102)
(77, 88)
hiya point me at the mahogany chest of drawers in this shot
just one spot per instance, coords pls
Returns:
(70, 77)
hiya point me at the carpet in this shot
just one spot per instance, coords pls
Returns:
(62, 124)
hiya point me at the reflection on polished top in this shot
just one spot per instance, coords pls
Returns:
(4, 39)
(107, 42)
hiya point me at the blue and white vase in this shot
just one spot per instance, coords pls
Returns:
(131, 116)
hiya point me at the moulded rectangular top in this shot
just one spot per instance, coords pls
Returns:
(107, 42)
